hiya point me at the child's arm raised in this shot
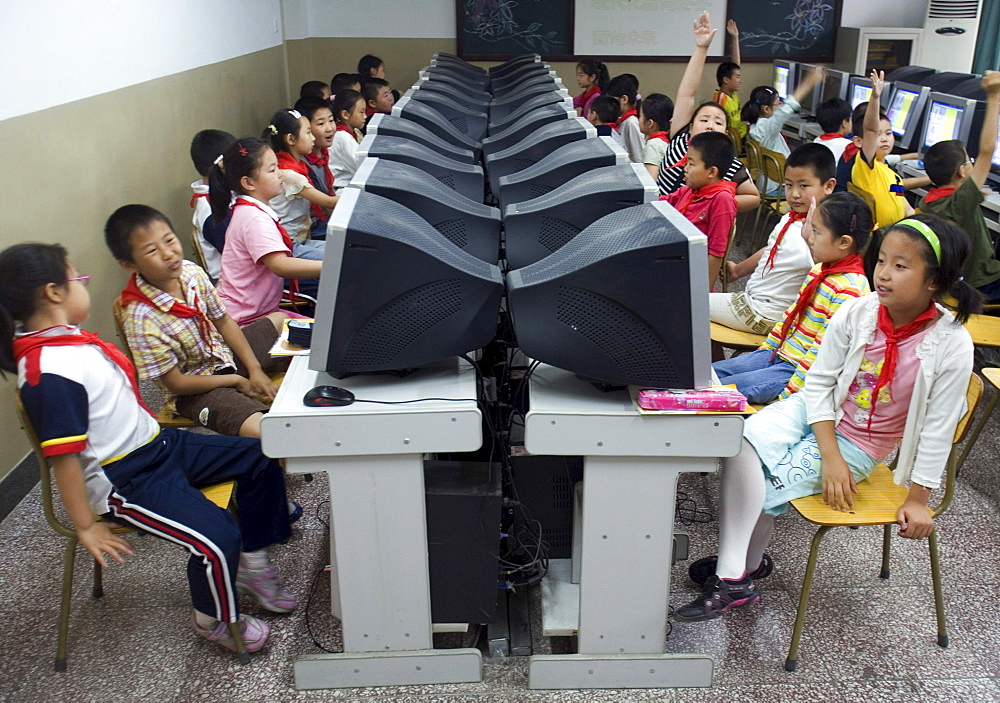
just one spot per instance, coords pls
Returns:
(684, 103)
(287, 266)
(869, 141)
(261, 384)
(734, 32)
(988, 137)
(95, 536)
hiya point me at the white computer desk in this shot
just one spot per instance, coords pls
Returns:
(373, 458)
(631, 465)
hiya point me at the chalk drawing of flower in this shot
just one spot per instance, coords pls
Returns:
(808, 16)
(494, 21)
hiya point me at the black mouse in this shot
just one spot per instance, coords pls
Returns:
(328, 397)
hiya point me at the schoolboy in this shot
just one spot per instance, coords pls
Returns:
(845, 165)
(708, 201)
(206, 147)
(314, 89)
(776, 271)
(604, 113)
(729, 77)
(834, 117)
(378, 98)
(957, 193)
(179, 332)
(345, 80)
(320, 115)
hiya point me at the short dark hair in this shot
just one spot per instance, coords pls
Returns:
(622, 86)
(371, 87)
(832, 114)
(716, 149)
(608, 108)
(816, 158)
(207, 146)
(345, 100)
(310, 106)
(312, 89)
(725, 70)
(366, 64)
(659, 108)
(942, 161)
(858, 119)
(124, 222)
(848, 214)
(343, 80)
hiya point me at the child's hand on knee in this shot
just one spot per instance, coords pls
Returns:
(915, 520)
(838, 484)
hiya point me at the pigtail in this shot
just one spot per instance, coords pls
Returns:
(7, 362)
(969, 301)
(603, 77)
(242, 158)
(750, 112)
(761, 95)
(219, 193)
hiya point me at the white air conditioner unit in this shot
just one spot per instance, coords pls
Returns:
(950, 31)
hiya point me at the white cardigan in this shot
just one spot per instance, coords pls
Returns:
(938, 400)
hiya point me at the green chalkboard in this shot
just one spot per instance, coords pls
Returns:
(800, 30)
(496, 30)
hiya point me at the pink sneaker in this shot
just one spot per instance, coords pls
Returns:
(263, 585)
(255, 633)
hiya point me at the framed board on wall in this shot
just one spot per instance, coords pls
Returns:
(801, 30)
(495, 30)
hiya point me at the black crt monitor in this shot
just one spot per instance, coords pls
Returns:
(813, 99)
(970, 88)
(945, 81)
(910, 74)
(535, 147)
(463, 178)
(462, 97)
(394, 294)
(498, 125)
(500, 109)
(834, 86)
(950, 117)
(456, 82)
(596, 307)
(536, 228)
(468, 122)
(859, 90)
(905, 110)
(461, 129)
(444, 56)
(470, 225)
(520, 129)
(562, 165)
(390, 126)
(513, 63)
(504, 83)
(784, 77)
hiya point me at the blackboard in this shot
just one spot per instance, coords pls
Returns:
(617, 30)
(801, 30)
(495, 30)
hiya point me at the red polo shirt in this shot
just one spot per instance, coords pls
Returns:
(711, 209)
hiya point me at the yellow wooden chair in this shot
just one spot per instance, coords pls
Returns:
(864, 195)
(876, 503)
(199, 252)
(772, 170)
(736, 340)
(221, 494)
(752, 162)
(736, 139)
(724, 272)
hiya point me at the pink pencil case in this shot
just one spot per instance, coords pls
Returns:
(720, 400)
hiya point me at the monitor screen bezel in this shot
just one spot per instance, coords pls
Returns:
(852, 82)
(966, 105)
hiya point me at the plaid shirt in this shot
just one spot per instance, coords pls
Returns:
(160, 341)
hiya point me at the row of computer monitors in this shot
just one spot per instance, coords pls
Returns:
(920, 116)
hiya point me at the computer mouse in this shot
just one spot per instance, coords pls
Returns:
(328, 397)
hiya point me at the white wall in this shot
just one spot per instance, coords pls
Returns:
(882, 13)
(57, 51)
(402, 19)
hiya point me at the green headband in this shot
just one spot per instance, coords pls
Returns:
(928, 233)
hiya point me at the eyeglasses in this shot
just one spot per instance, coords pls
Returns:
(84, 280)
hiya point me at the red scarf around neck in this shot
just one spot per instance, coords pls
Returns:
(195, 196)
(293, 284)
(631, 112)
(590, 92)
(852, 263)
(323, 162)
(827, 136)
(939, 193)
(850, 151)
(290, 163)
(132, 293)
(769, 264)
(341, 127)
(664, 135)
(893, 336)
(708, 191)
(29, 348)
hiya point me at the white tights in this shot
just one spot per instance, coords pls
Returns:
(743, 531)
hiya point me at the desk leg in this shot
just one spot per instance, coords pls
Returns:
(628, 518)
(380, 587)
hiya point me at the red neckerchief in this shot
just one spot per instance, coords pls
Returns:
(290, 163)
(664, 135)
(368, 111)
(612, 125)
(893, 336)
(938, 193)
(29, 348)
(792, 217)
(341, 127)
(195, 196)
(827, 136)
(589, 92)
(852, 263)
(849, 151)
(132, 293)
(631, 112)
(704, 193)
(293, 283)
(323, 161)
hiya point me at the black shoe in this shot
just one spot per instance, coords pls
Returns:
(700, 571)
(717, 597)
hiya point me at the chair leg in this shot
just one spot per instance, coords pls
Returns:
(98, 590)
(942, 638)
(886, 549)
(792, 661)
(237, 635)
(67, 595)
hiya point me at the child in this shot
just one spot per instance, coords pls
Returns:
(845, 165)
(892, 370)
(109, 456)
(314, 89)
(291, 137)
(371, 67)
(206, 147)
(349, 112)
(730, 77)
(344, 80)
(957, 194)
(780, 266)
(689, 120)
(834, 117)
(604, 113)
(625, 91)
(258, 253)
(707, 200)
(378, 98)
(836, 231)
(592, 76)
(167, 305)
(655, 111)
(320, 115)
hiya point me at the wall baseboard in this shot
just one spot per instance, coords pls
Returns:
(17, 483)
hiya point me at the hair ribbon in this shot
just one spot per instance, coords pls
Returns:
(927, 233)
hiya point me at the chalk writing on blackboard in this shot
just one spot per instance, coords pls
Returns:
(494, 22)
(604, 37)
(806, 25)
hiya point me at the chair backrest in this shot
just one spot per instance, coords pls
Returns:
(45, 474)
(864, 194)
(753, 159)
(199, 253)
(773, 165)
(118, 312)
(724, 273)
(973, 394)
(737, 140)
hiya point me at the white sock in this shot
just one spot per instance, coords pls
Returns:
(758, 540)
(254, 560)
(739, 509)
(205, 621)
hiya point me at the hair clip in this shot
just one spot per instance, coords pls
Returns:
(218, 160)
(274, 130)
(854, 223)
(295, 113)
(243, 151)
(961, 278)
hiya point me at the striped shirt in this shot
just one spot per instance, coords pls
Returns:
(671, 176)
(802, 343)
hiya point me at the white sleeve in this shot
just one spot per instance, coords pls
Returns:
(821, 381)
(769, 127)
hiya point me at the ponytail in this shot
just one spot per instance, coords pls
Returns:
(596, 67)
(761, 95)
(283, 123)
(242, 158)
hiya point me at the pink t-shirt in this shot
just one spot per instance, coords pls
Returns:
(247, 287)
(890, 416)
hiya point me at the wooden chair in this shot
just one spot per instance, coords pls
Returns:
(752, 161)
(876, 503)
(724, 272)
(221, 494)
(772, 170)
(864, 195)
(199, 252)
(737, 340)
(737, 140)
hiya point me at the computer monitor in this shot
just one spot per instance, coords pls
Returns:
(471, 123)
(535, 147)
(395, 294)
(811, 100)
(463, 178)
(470, 225)
(433, 120)
(949, 117)
(536, 228)
(499, 124)
(474, 100)
(784, 77)
(509, 81)
(597, 306)
(834, 85)
(562, 165)
(501, 108)
(859, 90)
(456, 81)
(905, 110)
(408, 129)
(910, 74)
(520, 129)
(945, 81)
(513, 64)
(969, 88)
